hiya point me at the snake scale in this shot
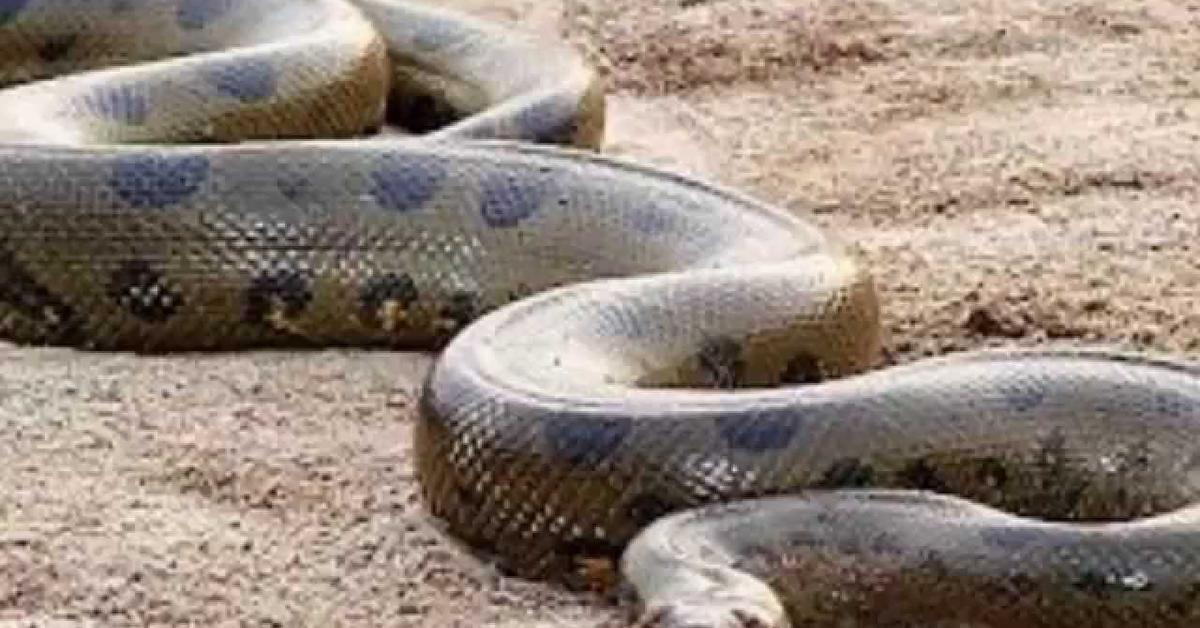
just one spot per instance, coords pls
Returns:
(636, 366)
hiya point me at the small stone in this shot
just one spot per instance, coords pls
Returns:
(984, 320)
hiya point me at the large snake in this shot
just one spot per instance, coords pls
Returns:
(669, 344)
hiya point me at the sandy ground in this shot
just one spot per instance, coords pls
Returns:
(1015, 172)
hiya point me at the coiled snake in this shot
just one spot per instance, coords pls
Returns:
(605, 308)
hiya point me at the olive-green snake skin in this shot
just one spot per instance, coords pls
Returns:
(145, 207)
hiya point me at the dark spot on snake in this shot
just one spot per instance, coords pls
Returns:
(760, 432)
(847, 473)
(586, 441)
(932, 563)
(1095, 584)
(196, 14)
(923, 475)
(1021, 584)
(884, 542)
(721, 363)
(803, 369)
(158, 180)
(124, 104)
(507, 198)
(54, 48)
(992, 472)
(293, 187)
(796, 541)
(403, 183)
(646, 507)
(651, 221)
(1023, 397)
(1172, 404)
(547, 122)
(10, 8)
(121, 6)
(143, 292)
(1139, 457)
(248, 80)
(379, 291)
(21, 291)
(461, 308)
(1009, 539)
(282, 290)
(1052, 451)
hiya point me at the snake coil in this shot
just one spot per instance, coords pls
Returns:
(636, 365)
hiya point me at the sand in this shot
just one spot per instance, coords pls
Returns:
(1014, 173)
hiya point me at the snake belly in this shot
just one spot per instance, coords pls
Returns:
(621, 343)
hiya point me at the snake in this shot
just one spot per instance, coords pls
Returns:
(638, 370)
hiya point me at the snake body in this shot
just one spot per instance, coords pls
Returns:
(632, 359)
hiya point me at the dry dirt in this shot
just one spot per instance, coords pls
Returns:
(1015, 172)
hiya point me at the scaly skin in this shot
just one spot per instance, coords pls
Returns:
(602, 301)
